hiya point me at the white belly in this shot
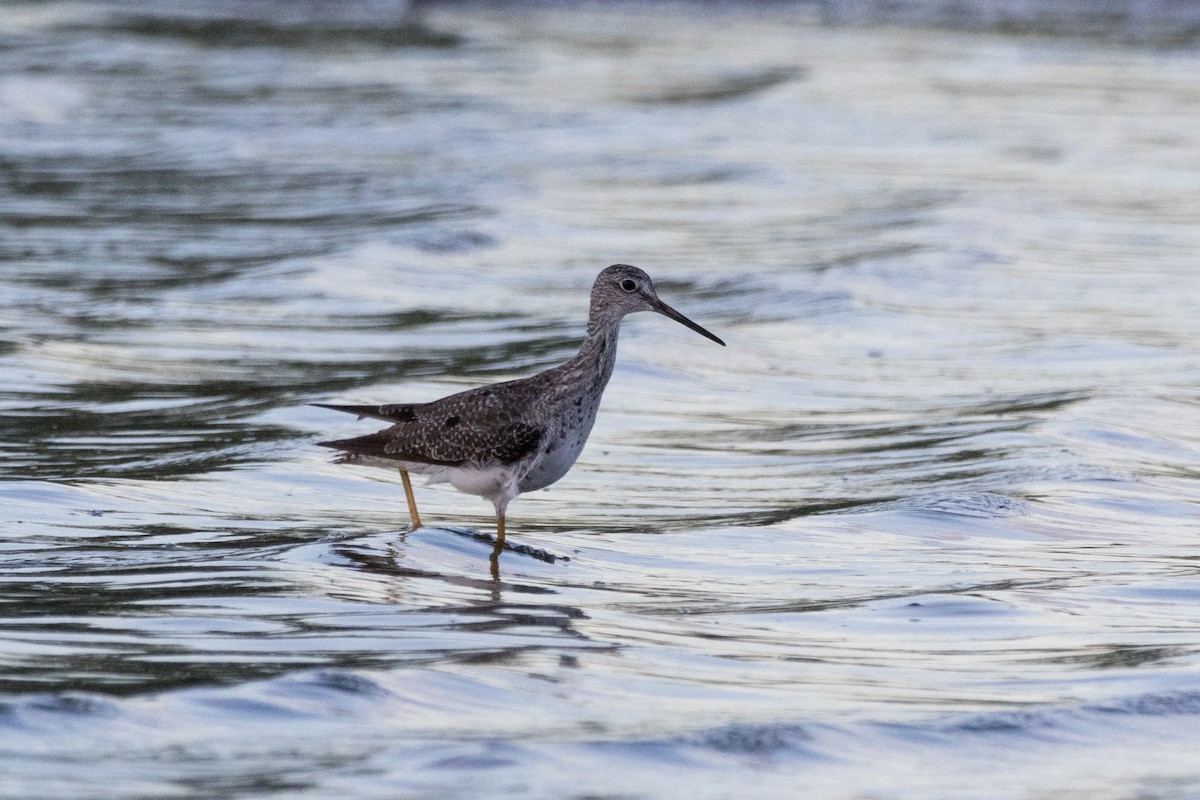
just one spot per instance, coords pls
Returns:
(486, 482)
(482, 481)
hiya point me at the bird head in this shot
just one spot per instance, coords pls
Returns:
(623, 289)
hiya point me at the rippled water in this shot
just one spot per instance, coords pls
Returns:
(928, 527)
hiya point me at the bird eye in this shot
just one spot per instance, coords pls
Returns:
(629, 285)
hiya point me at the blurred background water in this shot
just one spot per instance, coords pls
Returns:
(928, 527)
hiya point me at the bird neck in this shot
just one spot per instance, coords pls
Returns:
(601, 342)
(603, 318)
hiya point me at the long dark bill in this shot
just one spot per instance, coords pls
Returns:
(667, 311)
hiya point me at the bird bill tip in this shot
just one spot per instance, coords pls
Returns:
(671, 313)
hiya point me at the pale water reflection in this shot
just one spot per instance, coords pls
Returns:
(928, 527)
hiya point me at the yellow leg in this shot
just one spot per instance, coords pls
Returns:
(412, 501)
(499, 548)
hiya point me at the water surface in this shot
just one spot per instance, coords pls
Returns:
(928, 527)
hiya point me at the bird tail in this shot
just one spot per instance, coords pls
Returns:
(395, 412)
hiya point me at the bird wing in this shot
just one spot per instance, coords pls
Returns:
(503, 445)
(478, 427)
